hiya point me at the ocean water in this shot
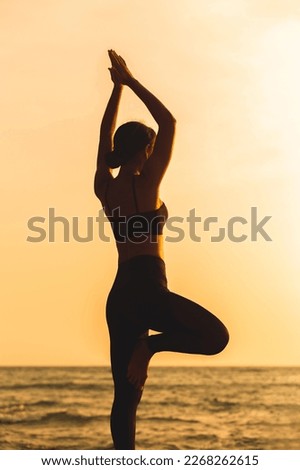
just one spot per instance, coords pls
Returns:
(182, 408)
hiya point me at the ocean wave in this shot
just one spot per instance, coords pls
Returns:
(43, 403)
(21, 406)
(167, 403)
(61, 417)
(215, 402)
(169, 419)
(200, 437)
(284, 406)
(57, 386)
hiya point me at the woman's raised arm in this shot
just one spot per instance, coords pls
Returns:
(156, 165)
(107, 129)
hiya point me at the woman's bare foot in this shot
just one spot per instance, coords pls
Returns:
(138, 365)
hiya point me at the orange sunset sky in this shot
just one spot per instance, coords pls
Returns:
(229, 72)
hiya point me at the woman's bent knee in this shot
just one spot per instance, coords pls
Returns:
(220, 341)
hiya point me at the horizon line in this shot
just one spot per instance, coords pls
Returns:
(90, 366)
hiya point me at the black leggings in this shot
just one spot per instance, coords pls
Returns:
(138, 301)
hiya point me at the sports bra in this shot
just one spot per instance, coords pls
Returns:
(139, 226)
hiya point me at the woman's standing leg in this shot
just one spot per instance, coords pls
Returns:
(126, 395)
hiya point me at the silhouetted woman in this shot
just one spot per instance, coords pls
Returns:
(139, 299)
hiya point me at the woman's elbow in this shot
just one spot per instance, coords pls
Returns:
(172, 119)
(170, 122)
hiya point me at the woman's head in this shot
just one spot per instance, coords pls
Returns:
(130, 139)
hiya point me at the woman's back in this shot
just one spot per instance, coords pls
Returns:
(137, 215)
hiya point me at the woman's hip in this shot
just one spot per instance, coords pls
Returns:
(141, 272)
